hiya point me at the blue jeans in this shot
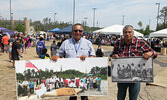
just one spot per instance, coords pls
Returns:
(134, 89)
(98, 88)
(22, 47)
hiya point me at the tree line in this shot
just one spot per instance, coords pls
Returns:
(31, 73)
(161, 25)
(45, 25)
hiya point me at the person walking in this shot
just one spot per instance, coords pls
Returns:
(5, 40)
(16, 51)
(75, 47)
(130, 46)
(53, 48)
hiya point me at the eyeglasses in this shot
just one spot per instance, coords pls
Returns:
(128, 32)
(78, 30)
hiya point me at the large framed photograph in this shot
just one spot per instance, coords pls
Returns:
(65, 77)
(132, 70)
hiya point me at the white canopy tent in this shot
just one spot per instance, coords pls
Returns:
(161, 33)
(115, 29)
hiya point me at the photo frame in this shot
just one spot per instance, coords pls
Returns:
(131, 70)
(45, 69)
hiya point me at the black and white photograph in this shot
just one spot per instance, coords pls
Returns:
(65, 77)
(132, 70)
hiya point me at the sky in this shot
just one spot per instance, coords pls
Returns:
(107, 13)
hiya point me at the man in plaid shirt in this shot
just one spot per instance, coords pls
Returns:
(130, 46)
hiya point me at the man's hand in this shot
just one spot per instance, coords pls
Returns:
(54, 58)
(115, 56)
(21, 56)
(147, 55)
(82, 57)
(92, 56)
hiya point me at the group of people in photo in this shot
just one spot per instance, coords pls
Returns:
(56, 82)
(131, 71)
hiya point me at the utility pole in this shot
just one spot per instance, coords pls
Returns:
(94, 16)
(149, 22)
(10, 14)
(0, 19)
(54, 17)
(158, 13)
(123, 20)
(85, 22)
(74, 12)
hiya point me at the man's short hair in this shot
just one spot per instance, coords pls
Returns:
(126, 27)
(75, 25)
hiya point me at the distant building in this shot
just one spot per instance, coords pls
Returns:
(26, 23)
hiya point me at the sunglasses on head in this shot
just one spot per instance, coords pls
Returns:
(78, 30)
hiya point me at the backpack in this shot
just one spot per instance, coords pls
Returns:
(39, 47)
(99, 52)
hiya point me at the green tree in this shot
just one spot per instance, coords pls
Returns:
(19, 76)
(163, 16)
(103, 71)
(28, 74)
(147, 30)
(38, 26)
(20, 28)
(140, 24)
(95, 70)
(33, 72)
(3, 23)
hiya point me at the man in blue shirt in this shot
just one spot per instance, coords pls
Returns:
(31, 86)
(98, 83)
(75, 47)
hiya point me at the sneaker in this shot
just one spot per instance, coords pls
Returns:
(13, 67)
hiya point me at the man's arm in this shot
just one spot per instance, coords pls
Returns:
(60, 53)
(150, 53)
(115, 50)
(19, 53)
(115, 56)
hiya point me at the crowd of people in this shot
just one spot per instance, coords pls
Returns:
(16, 45)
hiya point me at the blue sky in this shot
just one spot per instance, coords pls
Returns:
(108, 12)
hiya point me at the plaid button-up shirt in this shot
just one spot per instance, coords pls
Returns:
(137, 48)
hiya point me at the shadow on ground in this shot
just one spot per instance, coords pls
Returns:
(161, 63)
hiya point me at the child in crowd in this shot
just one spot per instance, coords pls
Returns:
(44, 54)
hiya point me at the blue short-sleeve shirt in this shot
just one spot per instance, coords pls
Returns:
(69, 49)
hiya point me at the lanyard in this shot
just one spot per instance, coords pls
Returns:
(76, 46)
